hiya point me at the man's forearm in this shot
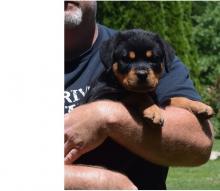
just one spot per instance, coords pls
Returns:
(88, 177)
(182, 141)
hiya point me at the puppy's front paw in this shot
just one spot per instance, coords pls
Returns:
(204, 111)
(153, 115)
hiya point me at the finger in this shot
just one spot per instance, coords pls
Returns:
(65, 137)
(72, 156)
(68, 146)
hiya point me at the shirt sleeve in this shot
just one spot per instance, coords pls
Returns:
(176, 83)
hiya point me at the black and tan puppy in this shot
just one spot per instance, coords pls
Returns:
(134, 61)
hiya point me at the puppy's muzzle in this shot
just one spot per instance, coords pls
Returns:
(142, 75)
(141, 71)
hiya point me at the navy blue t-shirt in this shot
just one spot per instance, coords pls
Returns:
(82, 71)
(79, 75)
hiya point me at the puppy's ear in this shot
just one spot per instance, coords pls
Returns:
(107, 51)
(168, 52)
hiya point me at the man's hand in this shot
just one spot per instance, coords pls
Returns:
(84, 131)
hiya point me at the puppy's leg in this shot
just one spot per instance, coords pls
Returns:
(153, 114)
(198, 108)
(148, 109)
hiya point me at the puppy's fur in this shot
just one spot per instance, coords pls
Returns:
(134, 61)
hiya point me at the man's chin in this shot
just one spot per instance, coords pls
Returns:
(73, 19)
(71, 25)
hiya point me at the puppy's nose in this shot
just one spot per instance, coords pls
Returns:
(142, 75)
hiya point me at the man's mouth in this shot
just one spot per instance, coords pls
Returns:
(70, 5)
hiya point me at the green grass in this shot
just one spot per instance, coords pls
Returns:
(205, 177)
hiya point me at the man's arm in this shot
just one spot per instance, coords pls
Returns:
(88, 177)
(182, 141)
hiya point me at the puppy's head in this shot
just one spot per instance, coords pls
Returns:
(137, 59)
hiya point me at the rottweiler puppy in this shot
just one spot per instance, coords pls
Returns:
(134, 61)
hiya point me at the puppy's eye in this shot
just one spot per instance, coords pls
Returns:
(149, 53)
(156, 59)
(131, 55)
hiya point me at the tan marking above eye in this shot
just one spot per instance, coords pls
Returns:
(131, 55)
(149, 53)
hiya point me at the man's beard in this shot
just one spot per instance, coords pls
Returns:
(73, 19)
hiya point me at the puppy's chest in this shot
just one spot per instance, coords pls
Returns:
(138, 100)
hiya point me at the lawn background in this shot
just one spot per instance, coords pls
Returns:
(205, 177)
(192, 28)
